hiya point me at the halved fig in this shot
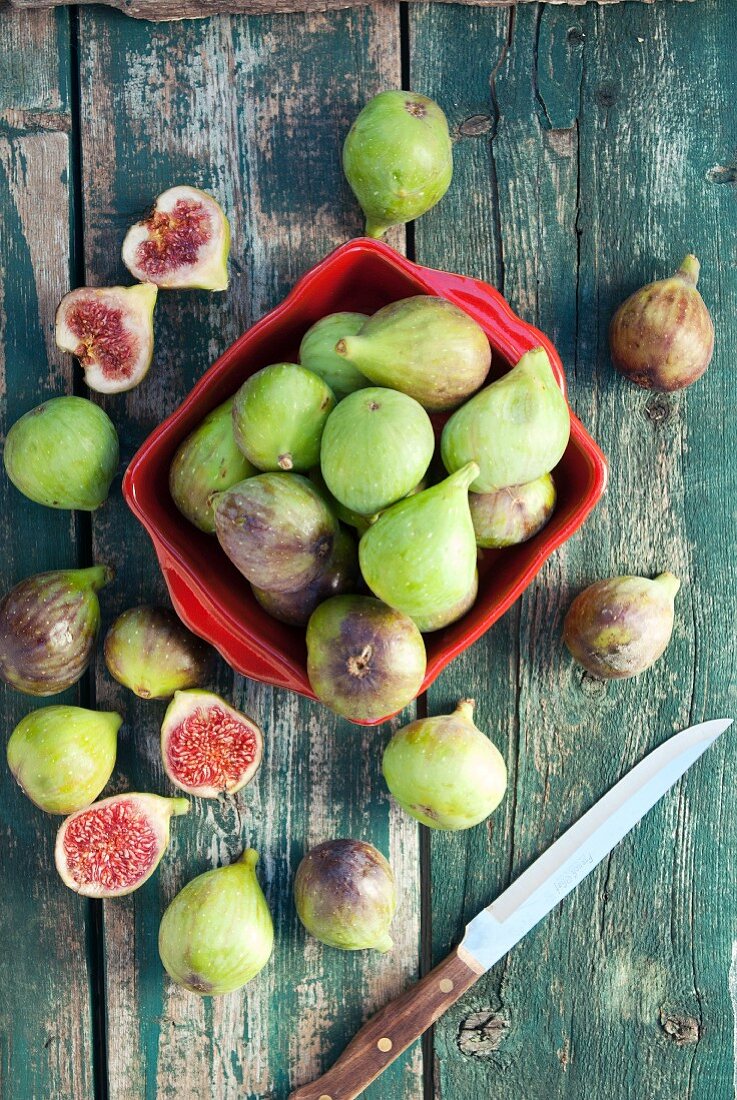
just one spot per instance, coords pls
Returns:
(184, 242)
(113, 846)
(111, 331)
(207, 746)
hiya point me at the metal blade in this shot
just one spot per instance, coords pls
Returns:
(496, 929)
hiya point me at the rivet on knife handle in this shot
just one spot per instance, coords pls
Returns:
(392, 1030)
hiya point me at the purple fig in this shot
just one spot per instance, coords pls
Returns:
(148, 650)
(617, 628)
(662, 337)
(345, 896)
(276, 529)
(512, 515)
(341, 575)
(364, 659)
(48, 626)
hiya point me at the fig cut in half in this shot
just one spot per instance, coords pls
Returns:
(113, 846)
(110, 329)
(182, 243)
(207, 746)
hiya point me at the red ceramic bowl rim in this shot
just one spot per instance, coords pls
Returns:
(519, 337)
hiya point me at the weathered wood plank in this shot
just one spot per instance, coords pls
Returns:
(253, 109)
(605, 160)
(200, 9)
(45, 1032)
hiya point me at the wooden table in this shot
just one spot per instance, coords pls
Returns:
(594, 147)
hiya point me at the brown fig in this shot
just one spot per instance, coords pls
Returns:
(662, 337)
(618, 627)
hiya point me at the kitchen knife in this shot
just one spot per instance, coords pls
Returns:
(496, 929)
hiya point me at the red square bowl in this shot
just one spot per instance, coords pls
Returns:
(211, 596)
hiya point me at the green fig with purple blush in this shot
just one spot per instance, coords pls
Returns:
(513, 515)
(150, 651)
(619, 627)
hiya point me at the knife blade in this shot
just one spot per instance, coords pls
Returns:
(496, 929)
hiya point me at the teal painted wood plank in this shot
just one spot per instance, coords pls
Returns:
(253, 109)
(45, 1007)
(603, 154)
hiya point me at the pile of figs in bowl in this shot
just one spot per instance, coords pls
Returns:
(365, 481)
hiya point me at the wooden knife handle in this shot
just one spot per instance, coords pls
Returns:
(393, 1029)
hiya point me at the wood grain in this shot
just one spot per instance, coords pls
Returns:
(253, 110)
(589, 152)
(199, 9)
(45, 1005)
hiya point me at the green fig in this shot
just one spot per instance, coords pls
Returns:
(444, 771)
(340, 575)
(217, 933)
(619, 627)
(420, 555)
(207, 462)
(62, 757)
(662, 337)
(48, 628)
(512, 515)
(148, 650)
(516, 429)
(364, 660)
(276, 529)
(424, 346)
(398, 158)
(345, 896)
(450, 614)
(279, 415)
(63, 454)
(376, 446)
(317, 352)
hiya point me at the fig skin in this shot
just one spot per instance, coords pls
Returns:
(276, 529)
(398, 158)
(182, 243)
(423, 346)
(340, 576)
(279, 414)
(451, 614)
(110, 330)
(376, 447)
(207, 462)
(209, 748)
(63, 756)
(317, 352)
(619, 627)
(113, 846)
(217, 933)
(420, 556)
(345, 896)
(445, 772)
(364, 660)
(662, 336)
(513, 515)
(150, 651)
(48, 628)
(63, 454)
(516, 429)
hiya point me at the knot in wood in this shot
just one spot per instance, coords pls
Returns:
(482, 1033)
(475, 126)
(576, 35)
(606, 95)
(658, 408)
(592, 686)
(683, 1030)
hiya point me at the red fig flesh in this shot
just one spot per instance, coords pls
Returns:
(207, 746)
(183, 242)
(113, 846)
(662, 337)
(110, 330)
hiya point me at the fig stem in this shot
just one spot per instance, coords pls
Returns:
(359, 666)
(669, 582)
(690, 269)
(96, 576)
(375, 229)
(249, 857)
(178, 806)
(466, 475)
(465, 708)
(384, 944)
